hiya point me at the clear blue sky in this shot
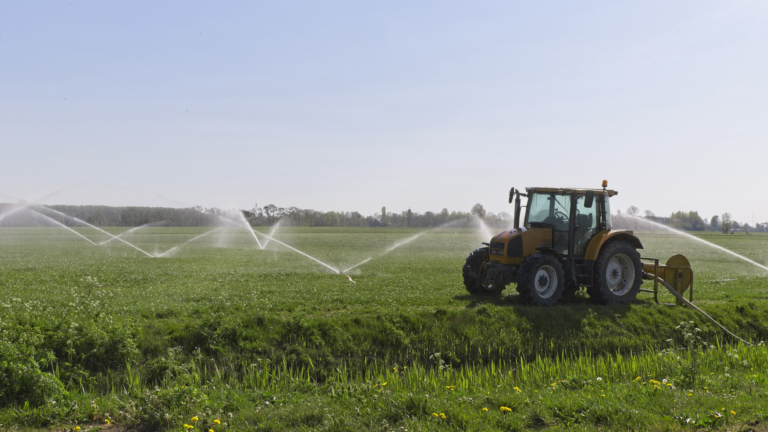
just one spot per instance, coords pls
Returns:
(355, 105)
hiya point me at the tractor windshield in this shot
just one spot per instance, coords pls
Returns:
(549, 208)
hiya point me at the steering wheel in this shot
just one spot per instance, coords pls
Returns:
(559, 220)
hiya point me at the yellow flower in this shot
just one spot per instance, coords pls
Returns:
(384, 384)
(194, 419)
(189, 426)
(217, 421)
(505, 409)
(442, 415)
(517, 389)
(485, 409)
(77, 428)
(638, 379)
(733, 412)
(210, 430)
(434, 414)
(106, 421)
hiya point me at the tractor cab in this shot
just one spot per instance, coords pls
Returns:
(568, 212)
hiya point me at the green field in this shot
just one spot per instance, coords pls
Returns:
(271, 340)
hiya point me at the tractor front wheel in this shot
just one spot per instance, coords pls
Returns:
(618, 274)
(474, 274)
(540, 280)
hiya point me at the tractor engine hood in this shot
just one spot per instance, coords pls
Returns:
(512, 246)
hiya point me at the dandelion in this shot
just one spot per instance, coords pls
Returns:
(485, 409)
(194, 419)
(505, 409)
(189, 426)
(434, 415)
(690, 394)
(442, 415)
(598, 379)
(517, 389)
(638, 379)
(733, 412)
(217, 421)
(77, 428)
(210, 430)
(384, 384)
(106, 421)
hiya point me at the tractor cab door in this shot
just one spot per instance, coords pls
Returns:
(587, 223)
(552, 211)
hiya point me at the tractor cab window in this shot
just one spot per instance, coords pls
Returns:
(552, 211)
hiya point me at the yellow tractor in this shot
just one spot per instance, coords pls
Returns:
(565, 242)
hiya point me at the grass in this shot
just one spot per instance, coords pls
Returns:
(269, 339)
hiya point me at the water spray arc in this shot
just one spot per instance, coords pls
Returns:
(404, 242)
(98, 229)
(187, 242)
(335, 270)
(728, 251)
(129, 231)
(54, 221)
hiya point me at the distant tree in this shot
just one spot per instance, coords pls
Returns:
(633, 211)
(726, 223)
(690, 221)
(478, 210)
(714, 223)
(649, 214)
(384, 214)
(735, 225)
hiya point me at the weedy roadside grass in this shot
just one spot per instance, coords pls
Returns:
(267, 339)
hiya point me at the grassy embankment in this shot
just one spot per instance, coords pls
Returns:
(272, 339)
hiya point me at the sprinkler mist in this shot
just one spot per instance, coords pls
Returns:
(484, 230)
(98, 229)
(57, 223)
(692, 237)
(272, 232)
(175, 248)
(24, 206)
(242, 221)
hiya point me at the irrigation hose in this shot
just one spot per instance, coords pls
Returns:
(692, 306)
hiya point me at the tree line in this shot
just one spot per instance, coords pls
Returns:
(691, 221)
(104, 216)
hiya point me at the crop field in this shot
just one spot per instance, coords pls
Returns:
(219, 334)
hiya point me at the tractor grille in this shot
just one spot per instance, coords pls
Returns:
(497, 248)
(515, 247)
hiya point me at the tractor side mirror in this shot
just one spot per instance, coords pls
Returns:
(511, 195)
(589, 199)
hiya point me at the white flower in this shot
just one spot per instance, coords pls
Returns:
(599, 379)
(664, 380)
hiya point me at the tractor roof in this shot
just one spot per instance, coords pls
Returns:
(570, 191)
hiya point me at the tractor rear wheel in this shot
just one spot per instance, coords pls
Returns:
(540, 280)
(618, 274)
(474, 274)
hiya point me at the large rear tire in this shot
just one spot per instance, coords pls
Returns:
(540, 280)
(474, 274)
(618, 274)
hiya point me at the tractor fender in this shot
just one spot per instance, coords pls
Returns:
(603, 237)
(550, 251)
